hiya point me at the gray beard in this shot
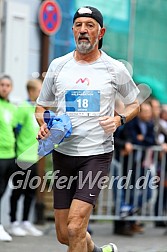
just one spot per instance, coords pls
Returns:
(85, 47)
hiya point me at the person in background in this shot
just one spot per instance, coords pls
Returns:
(163, 118)
(83, 84)
(7, 142)
(159, 127)
(26, 131)
(122, 148)
(160, 131)
(163, 123)
(141, 133)
(162, 140)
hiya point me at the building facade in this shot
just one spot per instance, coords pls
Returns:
(19, 42)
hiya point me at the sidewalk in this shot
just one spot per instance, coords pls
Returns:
(153, 240)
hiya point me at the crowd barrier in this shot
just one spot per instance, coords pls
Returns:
(136, 188)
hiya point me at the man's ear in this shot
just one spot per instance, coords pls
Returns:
(102, 32)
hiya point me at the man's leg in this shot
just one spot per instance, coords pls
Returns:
(77, 223)
(61, 217)
(78, 219)
(71, 226)
(61, 220)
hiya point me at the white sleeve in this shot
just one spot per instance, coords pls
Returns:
(47, 95)
(127, 89)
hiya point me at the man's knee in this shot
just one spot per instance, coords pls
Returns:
(76, 228)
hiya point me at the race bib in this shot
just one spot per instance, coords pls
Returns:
(83, 102)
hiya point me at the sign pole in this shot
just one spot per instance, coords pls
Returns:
(49, 21)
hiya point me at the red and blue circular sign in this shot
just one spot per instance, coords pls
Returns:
(50, 17)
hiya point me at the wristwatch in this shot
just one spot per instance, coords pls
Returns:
(123, 119)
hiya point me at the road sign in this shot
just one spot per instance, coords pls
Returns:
(49, 17)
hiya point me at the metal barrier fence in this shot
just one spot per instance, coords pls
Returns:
(136, 188)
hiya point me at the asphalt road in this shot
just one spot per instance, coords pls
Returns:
(153, 240)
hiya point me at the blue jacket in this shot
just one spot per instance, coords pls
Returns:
(133, 129)
(60, 128)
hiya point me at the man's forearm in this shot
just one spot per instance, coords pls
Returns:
(131, 110)
(39, 111)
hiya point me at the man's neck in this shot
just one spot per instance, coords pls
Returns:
(88, 57)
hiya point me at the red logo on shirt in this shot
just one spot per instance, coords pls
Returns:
(86, 80)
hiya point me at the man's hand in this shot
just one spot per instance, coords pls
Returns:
(109, 124)
(43, 132)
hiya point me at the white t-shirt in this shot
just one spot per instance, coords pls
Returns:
(85, 92)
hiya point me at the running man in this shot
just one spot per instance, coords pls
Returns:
(84, 85)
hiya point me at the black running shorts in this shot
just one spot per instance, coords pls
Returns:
(78, 177)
